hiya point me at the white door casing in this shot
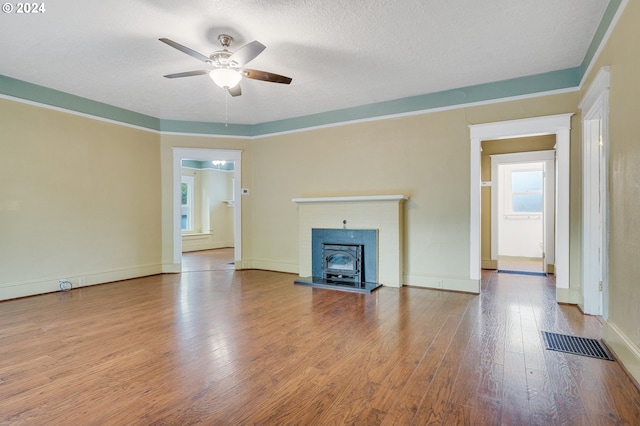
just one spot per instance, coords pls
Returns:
(595, 197)
(202, 154)
(560, 125)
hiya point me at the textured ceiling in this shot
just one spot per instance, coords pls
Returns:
(339, 53)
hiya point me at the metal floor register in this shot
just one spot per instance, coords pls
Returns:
(576, 345)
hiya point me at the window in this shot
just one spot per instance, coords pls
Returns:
(526, 191)
(186, 207)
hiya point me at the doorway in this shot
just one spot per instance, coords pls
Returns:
(207, 205)
(200, 154)
(558, 125)
(523, 211)
(520, 217)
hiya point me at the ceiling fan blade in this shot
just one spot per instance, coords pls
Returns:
(266, 76)
(187, 74)
(185, 49)
(235, 91)
(247, 53)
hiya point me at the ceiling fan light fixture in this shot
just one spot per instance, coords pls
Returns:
(225, 78)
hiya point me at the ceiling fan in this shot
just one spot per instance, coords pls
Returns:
(228, 67)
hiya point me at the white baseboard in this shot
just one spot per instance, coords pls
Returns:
(488, 264)
(205, 241)
(30, 288)
(571, 296)
(171, 268)
(443, 283)
(270, 265)
(626, 352)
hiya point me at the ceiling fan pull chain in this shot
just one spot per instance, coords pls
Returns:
(226, 108)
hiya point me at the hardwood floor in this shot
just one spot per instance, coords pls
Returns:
(249, 347)
(521, 264)
(208, 260)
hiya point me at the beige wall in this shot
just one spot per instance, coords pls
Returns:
(621, 54)
(79, 199)
(503, 146)
(425, 157)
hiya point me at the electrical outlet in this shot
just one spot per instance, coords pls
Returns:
(65, 284)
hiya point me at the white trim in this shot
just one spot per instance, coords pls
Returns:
(595, 197)
(191, 208)
(78, 113)
(624, 348)
(597, 89)
(271, 265)
(559, 125)
(441, 282)
(14, 290)
(203, 154)
(475, 208)
(206, 135)
(353, 198)
(303, 129)
(207, 168)
(523, 157)
(421, 112)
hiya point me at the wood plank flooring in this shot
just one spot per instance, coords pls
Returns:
(521, 264)
(208, 260)
(224, 347)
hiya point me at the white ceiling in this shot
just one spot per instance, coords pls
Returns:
(339, 53)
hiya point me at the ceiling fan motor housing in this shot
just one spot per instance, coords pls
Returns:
(225, 40)
(221, 59)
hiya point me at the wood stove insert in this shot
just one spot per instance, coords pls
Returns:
(344, 259)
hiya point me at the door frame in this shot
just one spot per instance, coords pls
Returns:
(595, 197)
(560, 125)
(546, 157)
(204, 154)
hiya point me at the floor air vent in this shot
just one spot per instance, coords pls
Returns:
(576, 345)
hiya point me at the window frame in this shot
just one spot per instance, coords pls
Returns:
(190, 208)
(509, 195)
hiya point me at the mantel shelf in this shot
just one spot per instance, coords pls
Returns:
(352, 199)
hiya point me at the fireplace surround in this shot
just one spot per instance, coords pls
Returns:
(346, 259)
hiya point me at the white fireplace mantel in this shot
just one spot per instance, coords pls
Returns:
(351, 198)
